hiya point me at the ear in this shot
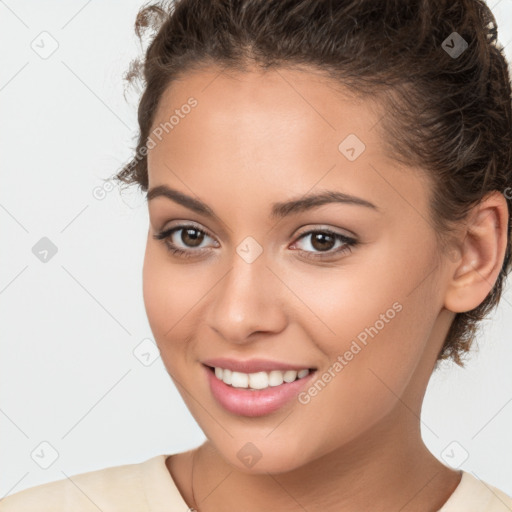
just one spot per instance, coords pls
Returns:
(482, 251)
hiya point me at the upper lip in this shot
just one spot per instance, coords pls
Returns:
(252, 365)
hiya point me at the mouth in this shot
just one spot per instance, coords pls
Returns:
(256, 394)
(258, 380)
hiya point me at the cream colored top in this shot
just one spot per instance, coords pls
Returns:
(148, 487)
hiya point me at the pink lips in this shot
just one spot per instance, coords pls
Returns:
(252, 365)
(252, 403)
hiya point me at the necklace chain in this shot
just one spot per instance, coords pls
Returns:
(192, 509)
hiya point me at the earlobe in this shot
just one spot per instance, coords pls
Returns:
(482, 251)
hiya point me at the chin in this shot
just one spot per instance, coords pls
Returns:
(261, 458)
(274, 465)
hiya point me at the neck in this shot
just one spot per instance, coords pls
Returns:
(389, 465)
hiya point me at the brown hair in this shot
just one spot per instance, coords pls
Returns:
(449, 114)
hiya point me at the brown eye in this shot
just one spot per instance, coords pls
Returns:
(324, 243)
(192, 237)
(185, 241)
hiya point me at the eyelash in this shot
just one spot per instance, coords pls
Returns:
(165, 236)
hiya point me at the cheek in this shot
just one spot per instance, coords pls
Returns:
(354, 301)
(167, 299)
(173, 297)
(366, 375)
(155, 290)
(381, 298)
(375, 324)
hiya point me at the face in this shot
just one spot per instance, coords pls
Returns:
(347, 286)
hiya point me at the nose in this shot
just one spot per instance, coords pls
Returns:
(247, 301)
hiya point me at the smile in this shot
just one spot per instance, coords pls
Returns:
(272, 389)
(258, 380)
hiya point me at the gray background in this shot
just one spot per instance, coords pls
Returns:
(71, 372)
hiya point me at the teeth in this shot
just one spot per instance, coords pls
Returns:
(226, 375)
(290, 376)
(275, 378)
(258, 380)
(239, 380)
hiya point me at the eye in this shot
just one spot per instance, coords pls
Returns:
(185, 244)
(185, 241)
(323, 241)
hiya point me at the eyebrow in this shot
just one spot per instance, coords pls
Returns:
(279, 210)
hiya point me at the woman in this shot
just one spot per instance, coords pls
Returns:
(327, 185)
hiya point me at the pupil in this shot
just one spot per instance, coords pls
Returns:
(196, 240)
(322, 241)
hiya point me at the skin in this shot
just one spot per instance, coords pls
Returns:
(258, 138)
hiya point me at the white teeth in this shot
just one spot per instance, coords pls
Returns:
(275, 378)
(239, 380)
(290, 375)
(258, 380)
(226, 376)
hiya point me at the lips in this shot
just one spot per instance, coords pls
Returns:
(254, 365)
(251, 402)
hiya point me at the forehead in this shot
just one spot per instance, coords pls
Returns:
(261, 117)
(282, 130)
(284, 100)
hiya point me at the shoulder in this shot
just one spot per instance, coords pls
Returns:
(473, 494)
(110, 489)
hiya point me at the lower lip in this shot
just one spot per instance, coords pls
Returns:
(246, 402)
